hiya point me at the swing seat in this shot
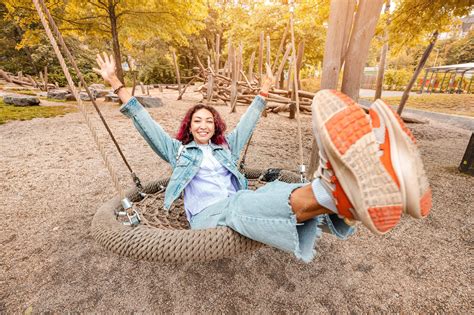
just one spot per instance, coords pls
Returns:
(165, 236)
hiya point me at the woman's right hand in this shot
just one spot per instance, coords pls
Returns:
(107, 68)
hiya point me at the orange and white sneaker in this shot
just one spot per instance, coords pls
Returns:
(362, 187)
(400, 156)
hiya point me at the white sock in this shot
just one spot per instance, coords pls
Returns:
(323, 197)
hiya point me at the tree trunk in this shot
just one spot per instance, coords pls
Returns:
(332, 61)
(115, 40)
(418, 69)
(260, 58)
(176, 69)
(368, 13)
(383, 56)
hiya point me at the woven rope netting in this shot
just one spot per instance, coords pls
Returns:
(165, 236)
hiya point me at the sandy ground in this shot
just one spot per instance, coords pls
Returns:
(53, 180)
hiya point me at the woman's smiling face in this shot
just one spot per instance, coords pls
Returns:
(202, 126)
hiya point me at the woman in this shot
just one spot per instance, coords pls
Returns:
(282, 215)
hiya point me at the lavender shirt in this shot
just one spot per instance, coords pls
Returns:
(212, 183)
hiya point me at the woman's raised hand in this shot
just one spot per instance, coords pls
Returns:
(107, 71)
(268, 80)
(107, 67)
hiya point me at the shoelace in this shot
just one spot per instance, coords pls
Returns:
(328, 178)
(325, 173)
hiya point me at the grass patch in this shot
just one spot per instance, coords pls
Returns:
(56, 100)
(10, 112)
(458, 104)
(24, 92)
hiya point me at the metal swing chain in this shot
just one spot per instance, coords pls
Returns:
(130, 212)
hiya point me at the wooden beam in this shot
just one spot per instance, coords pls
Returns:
(383, 55)
(260, 58)
(418, 69)
(176, 69)
(268, 47)
(280, 49)
(337, 36)
(282, 66)
(4, 75)
(251, 63)
(368, 13)
(218, 52)
(46, 78)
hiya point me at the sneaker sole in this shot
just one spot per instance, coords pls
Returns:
(407, 163)
(351, 147)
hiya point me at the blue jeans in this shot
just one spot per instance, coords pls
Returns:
(265, 215)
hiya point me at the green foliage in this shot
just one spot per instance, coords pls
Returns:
(461, 51)
(397, 79)
(243, 24)
(10, 112)
(311, 84)
(413, 20)
(24, 92)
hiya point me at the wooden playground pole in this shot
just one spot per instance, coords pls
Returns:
(176, 68)
(299, 60)
(233, 87)
(218, 51)
(251, 63)
(418, 69)
(334, 48)
(280, 49)
(383, 56)
(260, 58)
(268, 50)
(368, 13)
(278, 76)
(46, 78)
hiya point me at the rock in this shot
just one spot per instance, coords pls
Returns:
(65, 95)
(99, 92)
(21, 100)
(85, 97)
(58, 94)
(97, 86)
(150, 101)
(111, 97)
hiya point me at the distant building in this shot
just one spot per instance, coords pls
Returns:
(467, 25)
(459, 29)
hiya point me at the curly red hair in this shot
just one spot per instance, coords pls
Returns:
(185, 136)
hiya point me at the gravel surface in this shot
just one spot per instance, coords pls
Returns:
(53, 180)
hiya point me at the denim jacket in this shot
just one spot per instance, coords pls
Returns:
(186, 159)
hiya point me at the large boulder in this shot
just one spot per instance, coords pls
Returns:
(65, 95)
(85, 97)
(21, 100)
(111, 97)
(150, 101)
(57, 94)
(99, 92)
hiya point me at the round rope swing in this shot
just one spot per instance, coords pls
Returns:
(134, 223)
